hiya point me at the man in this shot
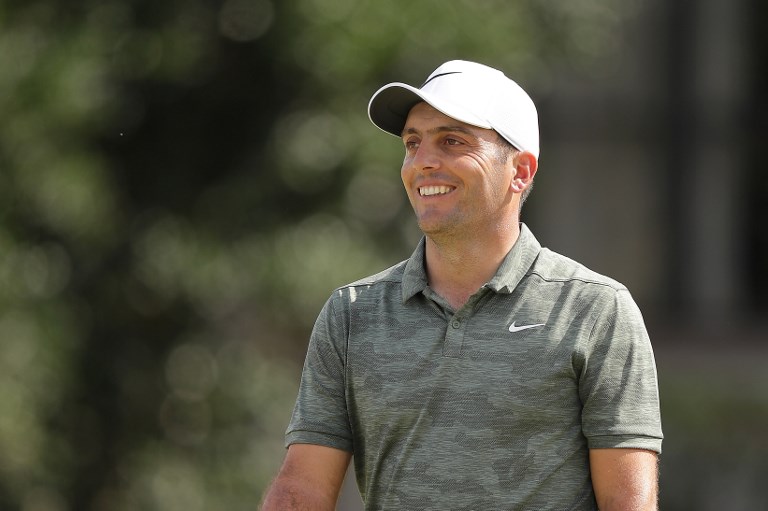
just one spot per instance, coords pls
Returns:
(485, 372)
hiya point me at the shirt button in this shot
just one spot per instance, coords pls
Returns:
(456, 323)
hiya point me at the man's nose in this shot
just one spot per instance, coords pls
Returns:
(426, 157)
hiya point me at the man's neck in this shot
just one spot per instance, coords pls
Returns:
(458, 266)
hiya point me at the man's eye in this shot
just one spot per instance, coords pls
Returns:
(411, 144)
(452, 141)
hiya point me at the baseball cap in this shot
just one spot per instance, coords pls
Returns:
(468, 92)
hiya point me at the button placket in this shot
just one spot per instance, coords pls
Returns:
(454, 337)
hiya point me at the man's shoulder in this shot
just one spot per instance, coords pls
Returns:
(553, 267)
(392, 275)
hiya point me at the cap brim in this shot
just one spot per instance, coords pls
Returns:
(390, 105)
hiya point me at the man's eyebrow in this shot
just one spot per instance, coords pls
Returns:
(440, 129)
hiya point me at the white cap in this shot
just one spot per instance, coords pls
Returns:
(468, 92)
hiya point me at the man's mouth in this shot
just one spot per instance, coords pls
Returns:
(428, 191)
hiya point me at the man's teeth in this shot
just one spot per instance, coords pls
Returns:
(434, 190)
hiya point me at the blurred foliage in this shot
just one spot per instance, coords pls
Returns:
(182, 184)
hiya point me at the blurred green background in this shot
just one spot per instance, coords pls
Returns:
(183, 183)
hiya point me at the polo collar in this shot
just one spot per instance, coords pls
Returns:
(415, 274)
(509, 274)
(517, 262)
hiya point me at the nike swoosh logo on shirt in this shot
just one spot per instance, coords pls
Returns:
(517, 328)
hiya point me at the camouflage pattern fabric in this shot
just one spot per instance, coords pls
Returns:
(493, 406)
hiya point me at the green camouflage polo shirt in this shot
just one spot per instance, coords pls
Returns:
(492, 406)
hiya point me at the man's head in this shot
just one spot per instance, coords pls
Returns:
(461, 180)
(466, 91)
(471, 93)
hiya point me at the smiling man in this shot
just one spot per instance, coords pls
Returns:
(484, 372)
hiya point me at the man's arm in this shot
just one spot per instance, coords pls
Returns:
(625, 479)
(310, 479)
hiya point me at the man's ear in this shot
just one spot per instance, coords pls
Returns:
(526, 166)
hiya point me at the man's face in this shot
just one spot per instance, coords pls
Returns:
(457, 176)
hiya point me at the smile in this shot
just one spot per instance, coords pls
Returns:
(426, 191)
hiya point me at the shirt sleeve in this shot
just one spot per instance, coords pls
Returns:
(618, 382)
(320, 414)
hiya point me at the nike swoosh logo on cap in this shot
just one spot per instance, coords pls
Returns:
(517, 328)
(438, 76)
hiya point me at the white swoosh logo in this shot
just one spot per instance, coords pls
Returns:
(515, 328)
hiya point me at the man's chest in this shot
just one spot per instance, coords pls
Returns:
(489, 368)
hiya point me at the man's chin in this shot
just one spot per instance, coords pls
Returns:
(437, 229)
